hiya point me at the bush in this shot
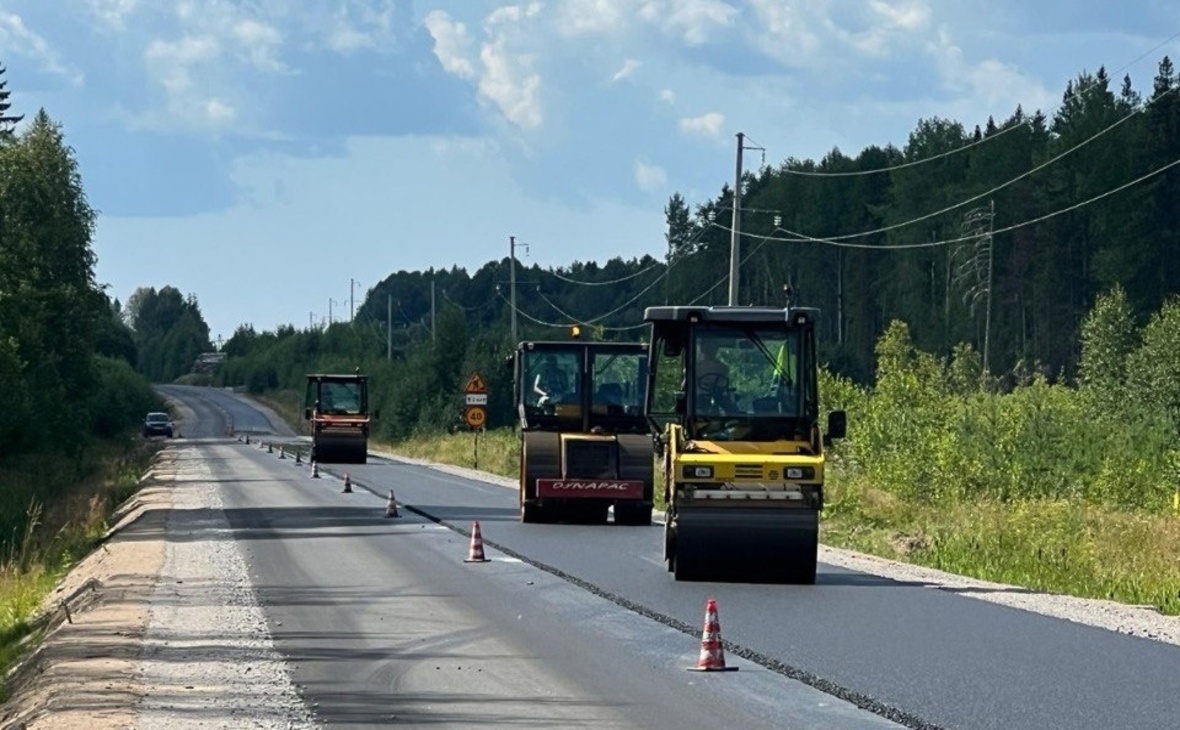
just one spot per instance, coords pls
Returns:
(120, 400)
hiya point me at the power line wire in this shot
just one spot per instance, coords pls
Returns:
(621, 279)
(802, 238)
(997, 188)
(975, 143)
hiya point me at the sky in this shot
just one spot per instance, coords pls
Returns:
(275, 158)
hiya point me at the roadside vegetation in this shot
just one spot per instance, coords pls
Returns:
(71, 400)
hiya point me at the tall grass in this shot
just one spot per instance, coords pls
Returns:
(53, 512)
(496, 451)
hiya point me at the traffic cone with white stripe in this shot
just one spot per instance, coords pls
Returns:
(315, 470)
(282, 452)
(270, 447)
(298, 457)
(712, 658)
(391, 506)
(347, 483)
(475, 554)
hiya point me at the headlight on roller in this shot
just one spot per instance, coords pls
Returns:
(799, 472)
(697, 472)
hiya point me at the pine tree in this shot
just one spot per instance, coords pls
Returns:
(7, 121)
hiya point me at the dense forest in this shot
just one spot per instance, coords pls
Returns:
(66, 358)
(69, 393)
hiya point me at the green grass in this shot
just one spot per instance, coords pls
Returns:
(66, 513)
(1059, 546)
(498, 450)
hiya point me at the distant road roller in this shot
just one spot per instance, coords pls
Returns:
(733, 401)
(584, 441)
(338, 408)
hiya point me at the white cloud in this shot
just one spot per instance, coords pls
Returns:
(668, 96)
(261, 42)
(172, 61)
(650, 177)
(113, 12)
(218, 111)
(452, 46)
(506, 77)
(579, 17)
(987, 84)
(17, 38)
(629, 67)
(507, 84)
(909, 15)
(694, 21)
(708, 125)
(818, 33)
(359, 25)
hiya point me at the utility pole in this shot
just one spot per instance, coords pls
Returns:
(389, 328)
(735, 241)
(331, 301)
(310, 321)
(432, 310)
(512, 284)
(351, 301)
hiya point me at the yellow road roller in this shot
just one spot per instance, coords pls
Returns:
(733, 401)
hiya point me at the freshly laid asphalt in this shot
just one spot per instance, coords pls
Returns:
(583, 624)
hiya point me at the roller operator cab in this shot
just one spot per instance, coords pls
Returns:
(585, 445)
(338, 408)
(733, 400)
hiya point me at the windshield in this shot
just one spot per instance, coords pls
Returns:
(619, 381)
(747, 383)
(157, 418)
(552, 378)
(582, 386)
(337, 398)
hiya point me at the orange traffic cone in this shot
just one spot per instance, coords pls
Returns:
(282, 453)
(298, 457)
(270, 447)
(315, 470)
(712, 657)
(391, 506)
(475, 555)
(247, 439)
(347, 483)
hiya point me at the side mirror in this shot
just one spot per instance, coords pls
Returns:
(307, 414)
(837, 425)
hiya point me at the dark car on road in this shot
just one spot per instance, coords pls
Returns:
(157, 424)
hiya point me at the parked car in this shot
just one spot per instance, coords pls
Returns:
(157, 424)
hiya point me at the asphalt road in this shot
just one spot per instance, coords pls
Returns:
(606, 629)
(382, 621)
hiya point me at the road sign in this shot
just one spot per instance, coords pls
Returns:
(475, 384)
(475, 416)
(477, 399)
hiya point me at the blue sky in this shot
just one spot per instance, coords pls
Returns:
(261, 153)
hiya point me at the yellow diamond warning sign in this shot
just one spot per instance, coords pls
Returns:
(475, 384)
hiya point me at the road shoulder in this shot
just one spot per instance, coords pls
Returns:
(84, 674)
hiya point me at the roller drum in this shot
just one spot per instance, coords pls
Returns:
(745, 545)
(340, 447)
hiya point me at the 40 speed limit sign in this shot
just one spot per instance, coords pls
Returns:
(475, 416)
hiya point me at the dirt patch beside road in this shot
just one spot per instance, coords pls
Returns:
(84, 675)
